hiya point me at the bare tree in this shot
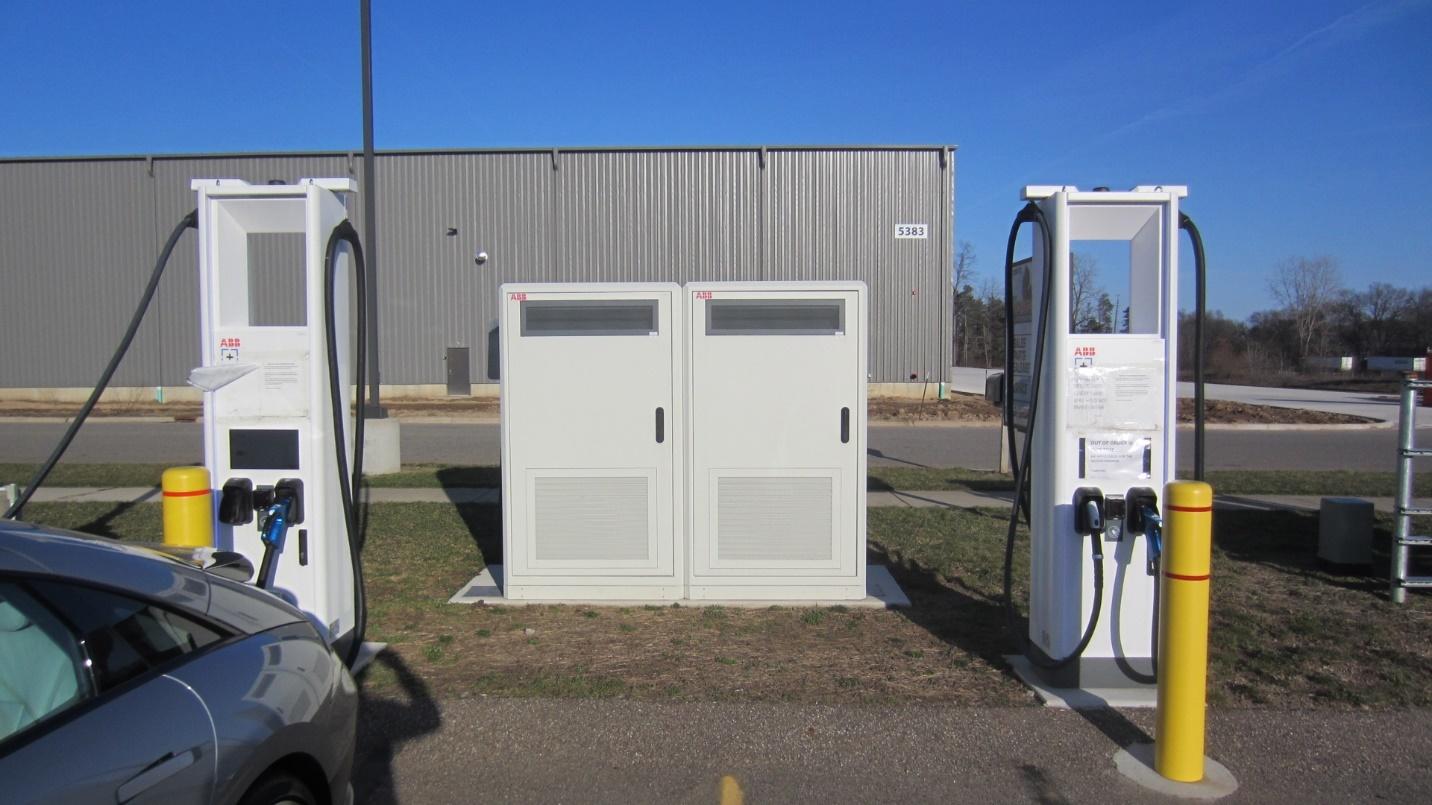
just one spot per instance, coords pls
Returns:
(963, 284)
(1307, 288)
(1083, 291)
(1369, 320)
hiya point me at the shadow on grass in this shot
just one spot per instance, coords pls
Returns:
(1287, 541)
(484, 477)
(387, 722)
(970, 615)
(483, 521)
(962, 615)
(102, 525)
(873, 453)
(935, 480)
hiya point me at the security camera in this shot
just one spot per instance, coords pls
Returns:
(480, 258)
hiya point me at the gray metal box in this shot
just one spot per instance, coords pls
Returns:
(1345, 531)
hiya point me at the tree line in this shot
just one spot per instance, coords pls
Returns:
(1316, 316)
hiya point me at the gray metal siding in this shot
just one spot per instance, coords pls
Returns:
(433, 293)
(588, 215)
(640, 216)
(76, 247)
(831, 215)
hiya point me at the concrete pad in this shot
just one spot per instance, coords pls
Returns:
(367, 652)
(881, 592)
(482, 589)
(1080, 698)
(1136, 762)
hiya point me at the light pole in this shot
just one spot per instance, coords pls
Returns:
(374, 408)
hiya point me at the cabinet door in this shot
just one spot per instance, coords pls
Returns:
(589, 382)
(775, 433)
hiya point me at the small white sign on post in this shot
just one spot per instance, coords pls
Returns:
(920, 231)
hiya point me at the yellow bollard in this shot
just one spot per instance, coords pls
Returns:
(188, 507)
(1183, 630)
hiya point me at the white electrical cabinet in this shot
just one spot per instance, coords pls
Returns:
(776, 415)
(592, 441)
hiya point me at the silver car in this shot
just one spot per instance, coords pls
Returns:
(129, 676)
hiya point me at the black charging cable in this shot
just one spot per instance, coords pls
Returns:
(1020, 462)
(1200, 298)
(190, 221)
(349, 479)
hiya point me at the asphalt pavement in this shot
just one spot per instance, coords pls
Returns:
(414, 749)
(923, 445)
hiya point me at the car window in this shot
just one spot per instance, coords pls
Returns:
(41, 665)
(122, 637)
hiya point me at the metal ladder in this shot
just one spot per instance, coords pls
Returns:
(1402, 537)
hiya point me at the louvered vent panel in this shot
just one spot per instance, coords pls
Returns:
(770, 518)
(591, 518)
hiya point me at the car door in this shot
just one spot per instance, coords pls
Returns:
(127, 732)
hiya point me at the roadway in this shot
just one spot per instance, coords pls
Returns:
(1381, 407)
(889, 444)
(412, 748)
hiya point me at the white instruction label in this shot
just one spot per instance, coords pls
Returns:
(1115, 456)
(277, 376)
(1128, 397)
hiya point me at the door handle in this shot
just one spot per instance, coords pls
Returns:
(660, 425)
(845, 426)
(157, 772)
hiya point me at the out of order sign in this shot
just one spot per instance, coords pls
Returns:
(920, 231)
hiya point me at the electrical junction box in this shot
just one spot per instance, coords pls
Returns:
(776, 389)
(592, 441)
(264, 370)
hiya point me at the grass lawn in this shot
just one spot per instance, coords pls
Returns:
(1285, 632)
(434, 476)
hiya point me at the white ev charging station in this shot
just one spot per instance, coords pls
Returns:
(278, 382)
(1099, 415)
(592, 441)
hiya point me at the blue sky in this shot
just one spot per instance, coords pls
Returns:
(1302, 128)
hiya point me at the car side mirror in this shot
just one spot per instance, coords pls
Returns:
(231, 565)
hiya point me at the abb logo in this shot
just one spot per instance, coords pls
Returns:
(1083, 352)
(229, 343)
(518, 297)
(703, 294)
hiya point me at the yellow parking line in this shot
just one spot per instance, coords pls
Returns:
(731, 791)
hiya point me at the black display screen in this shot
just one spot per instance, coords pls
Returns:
(256, 449)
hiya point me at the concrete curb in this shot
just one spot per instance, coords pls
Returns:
(65, 420)
(492, 496)
(492, 420)
(1136, 762)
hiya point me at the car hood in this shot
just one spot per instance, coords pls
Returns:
(40, 550)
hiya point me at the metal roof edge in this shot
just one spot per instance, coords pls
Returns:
(579, 149)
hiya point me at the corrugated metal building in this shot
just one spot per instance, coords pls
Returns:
(78, 237)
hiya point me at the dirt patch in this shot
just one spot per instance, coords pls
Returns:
(664, 652)
(1225, 412)
(181, 411)
(974, 409)
(965, 408)
(441, 407)
(955, 408)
